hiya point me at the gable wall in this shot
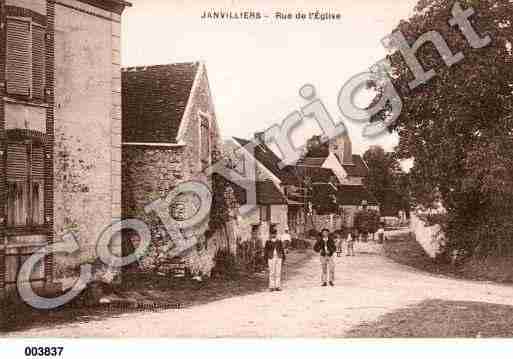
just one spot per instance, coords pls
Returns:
(333, 163)
(151, 172)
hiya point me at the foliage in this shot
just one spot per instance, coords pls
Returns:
(386, 179)
(458, 126)
(225, 264)
(161, 243)
(431, 219)
(316, 147)
(224, 202)
(367, 221)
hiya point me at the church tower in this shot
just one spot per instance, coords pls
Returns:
(342, 148)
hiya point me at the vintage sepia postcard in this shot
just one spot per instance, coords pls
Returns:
(255, 169)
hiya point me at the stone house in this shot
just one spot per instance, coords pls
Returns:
(170, 136)
(60, 129)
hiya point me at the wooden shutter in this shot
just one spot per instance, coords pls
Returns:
(38, 62)
(17, 162)
(38, 168)
(19, 57)
(11, 203)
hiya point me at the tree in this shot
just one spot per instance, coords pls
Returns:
(457, 127)
(366, 221)
(386, 180)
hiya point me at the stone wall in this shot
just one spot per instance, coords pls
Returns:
(152, 170)
(429, 237)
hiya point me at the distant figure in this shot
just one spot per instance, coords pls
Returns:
(339, 240)
(326, 247)
(351, 238)
(286, 239)
(274, 255)
(381, 234)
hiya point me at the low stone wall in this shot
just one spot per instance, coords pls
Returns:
(429, 237)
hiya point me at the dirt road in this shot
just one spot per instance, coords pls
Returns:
(367, 286)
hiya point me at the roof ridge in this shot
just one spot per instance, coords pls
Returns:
(155, 66)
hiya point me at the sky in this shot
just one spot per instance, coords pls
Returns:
(256, 67)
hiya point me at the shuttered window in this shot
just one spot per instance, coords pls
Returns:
(38, 62)
(17, 162)
(14, 260)
(38, 171)
(37, 181)
(25, 184)
(19, 57)
(25, 65)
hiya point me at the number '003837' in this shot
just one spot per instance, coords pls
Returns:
(43, 351)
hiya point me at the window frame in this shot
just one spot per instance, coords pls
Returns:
(19, 259)
(204, 118)
(265, 213)
(14, 211)
(31, 23)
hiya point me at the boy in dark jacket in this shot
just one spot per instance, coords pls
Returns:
(326, 247)
(274, 255)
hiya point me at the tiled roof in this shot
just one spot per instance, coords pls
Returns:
(354, 195)
(297, 174)
(116, 6)
(311, 161)
(267, 193)
(154, 100)
(267, 158)
(358, 168)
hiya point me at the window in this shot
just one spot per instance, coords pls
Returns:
(25, 63)
(205, 141)
(265, 213)
(14, 259)
(25, 185)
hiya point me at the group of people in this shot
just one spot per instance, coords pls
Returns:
(327, 245)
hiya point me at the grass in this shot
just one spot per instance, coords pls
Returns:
(162, 291)
(404, 249)
(441, 319)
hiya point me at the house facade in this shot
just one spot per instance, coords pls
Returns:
(348, 192)
(60, 129)
(270, 203)
(324, 189)
(170, 136)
